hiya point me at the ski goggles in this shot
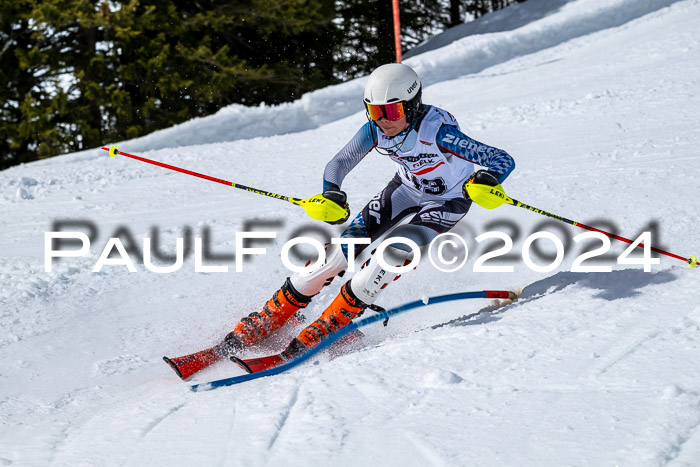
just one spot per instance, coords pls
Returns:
(391, 112)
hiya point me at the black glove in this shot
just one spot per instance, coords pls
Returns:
(485, 177)
(339, 197)
(481, 177)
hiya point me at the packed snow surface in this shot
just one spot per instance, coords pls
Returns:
(598, 101)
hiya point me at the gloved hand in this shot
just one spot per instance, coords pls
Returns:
(481, 177)
(484, 177)
(340, 198)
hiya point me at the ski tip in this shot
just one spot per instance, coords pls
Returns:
(173, 366)
(242, 364)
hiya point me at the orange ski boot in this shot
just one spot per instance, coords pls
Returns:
(256, 326)
(344, 308)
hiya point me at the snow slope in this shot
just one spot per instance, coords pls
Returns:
(598, 102)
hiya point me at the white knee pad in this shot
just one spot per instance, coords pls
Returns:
(311, 283)
(372, 279)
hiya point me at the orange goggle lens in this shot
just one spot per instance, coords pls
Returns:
(389, 111)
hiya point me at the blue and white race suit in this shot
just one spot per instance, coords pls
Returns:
(434, 159)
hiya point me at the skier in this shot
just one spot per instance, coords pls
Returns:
(434, 160)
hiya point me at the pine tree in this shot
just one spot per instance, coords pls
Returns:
(81, 73)
(30, 96)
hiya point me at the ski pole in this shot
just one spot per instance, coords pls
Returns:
(317, 207)
(491, 197)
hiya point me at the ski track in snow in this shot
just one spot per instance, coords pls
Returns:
(283, 418)
(597, 100)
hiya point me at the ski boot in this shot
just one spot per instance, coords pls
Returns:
(284, 304)
(344, 308)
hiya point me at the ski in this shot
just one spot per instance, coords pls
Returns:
(187, 365)
(275, 364)
(255, 365)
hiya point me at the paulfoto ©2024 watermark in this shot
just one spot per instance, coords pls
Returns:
(448, 252)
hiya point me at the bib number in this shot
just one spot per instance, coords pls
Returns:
(435, 186)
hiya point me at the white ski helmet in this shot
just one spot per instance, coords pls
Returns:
(392, 83)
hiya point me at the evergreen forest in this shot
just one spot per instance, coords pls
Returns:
(77, 74)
